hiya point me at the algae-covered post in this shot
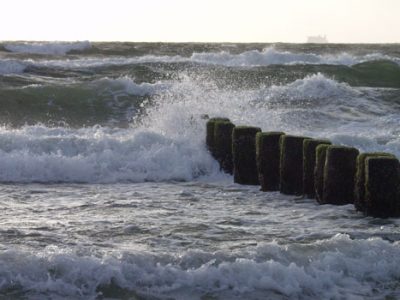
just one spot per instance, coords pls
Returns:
(359, 188)
(268, 159)
(382, 180)
(309, 160)
(320, 157)
(223, 144)
(210, 133)
(244, 154)
(339, 173)
(291, 164)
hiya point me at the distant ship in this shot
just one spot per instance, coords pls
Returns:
(318, 39)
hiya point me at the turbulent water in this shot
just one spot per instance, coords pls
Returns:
(108, 192)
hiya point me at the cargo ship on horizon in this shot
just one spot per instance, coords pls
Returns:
(318, 39)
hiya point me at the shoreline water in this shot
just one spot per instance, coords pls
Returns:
(108, 191)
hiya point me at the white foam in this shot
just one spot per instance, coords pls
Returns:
(251, 58)
(315, 106)
(270, 55)
(335, 268)
(169, 144)
(96, 62)
(316, 86)
(41, 154)
(191, 98)
(50, 48)
(128, 85)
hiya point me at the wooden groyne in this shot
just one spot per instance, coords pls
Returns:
(302, 166)
(268, 155)
(244, 155)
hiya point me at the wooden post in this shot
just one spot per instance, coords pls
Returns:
(291, 165)
(244, 155)
(359, 188)
(210, 133)
(268, 159)
(339, 173)
(382, 183)
(309, 160)
(223, 144)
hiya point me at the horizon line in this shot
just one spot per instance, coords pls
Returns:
(193, 42)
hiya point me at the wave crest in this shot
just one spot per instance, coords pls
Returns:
(316, 86)
(129, 86)
(271, 56)
(99, 155)
(334, 268)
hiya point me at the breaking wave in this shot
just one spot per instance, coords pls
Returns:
(270, 56)
(334, 268)
(156, 131)
(106, 101)
(102, 155)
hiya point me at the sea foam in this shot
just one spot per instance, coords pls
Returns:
(271, 55)
(334, 268)
(42, 154)
(166, 142)
(253, 58)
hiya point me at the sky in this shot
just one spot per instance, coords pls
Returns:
(342, 21)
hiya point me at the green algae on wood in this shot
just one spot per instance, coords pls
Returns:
(210, 133)
(382, 184)
(244, 155)
(223, 144)
(291, 164)
(359, 187)
(309, 162)
(339, 174)
(268, 159)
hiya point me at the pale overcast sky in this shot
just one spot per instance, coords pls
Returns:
(349, 21)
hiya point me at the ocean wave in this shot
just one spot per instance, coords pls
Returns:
(270, 56)
(128, 85)
(334, 268)
(166, 142)
(316, 86)
(104, 101)
(11, 66)
(186, 99)
(315, 106)
(254, 58)
(99, 155)
(101, 62)
(249, 59)
(49, 48)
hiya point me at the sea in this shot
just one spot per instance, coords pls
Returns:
(107, 190)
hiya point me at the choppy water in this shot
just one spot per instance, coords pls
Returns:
(107, 190)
